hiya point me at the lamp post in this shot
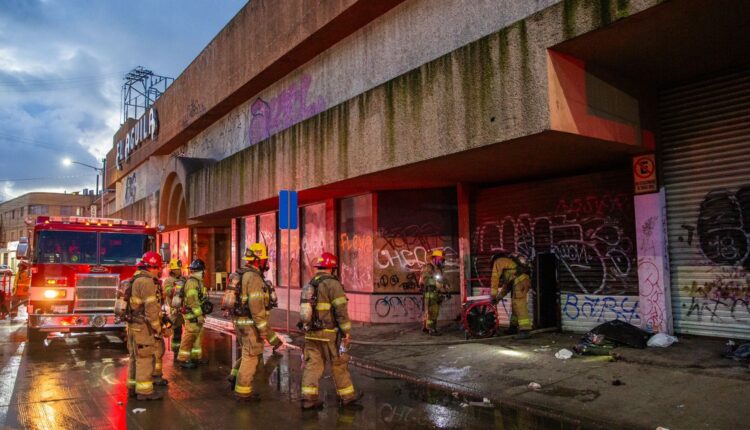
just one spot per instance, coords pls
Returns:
(99, 172)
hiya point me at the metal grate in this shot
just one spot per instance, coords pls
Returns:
(96, 292)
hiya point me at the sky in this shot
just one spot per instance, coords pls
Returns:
(62, 64)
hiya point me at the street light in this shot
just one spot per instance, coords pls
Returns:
(99, 171)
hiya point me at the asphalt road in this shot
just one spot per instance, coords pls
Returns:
(78, 382)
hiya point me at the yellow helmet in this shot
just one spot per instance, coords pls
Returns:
(438, 253)
(256, 251)
(175, 264)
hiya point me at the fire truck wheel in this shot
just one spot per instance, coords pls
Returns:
(34, 335)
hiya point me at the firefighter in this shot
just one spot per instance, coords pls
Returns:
(327, 337)
(510, 274)
(159, 346)
(172, 284)
(144, 327)
(20, 291)
(251, 321)
(191, 352)
(432, 282)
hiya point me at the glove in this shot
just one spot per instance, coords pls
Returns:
(167, 332)
(200, 320)
(347, 340)
(495, 300)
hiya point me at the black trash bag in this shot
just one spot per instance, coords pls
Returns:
(623, 333)
(742, 352)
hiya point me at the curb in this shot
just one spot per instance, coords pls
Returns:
(430, 382)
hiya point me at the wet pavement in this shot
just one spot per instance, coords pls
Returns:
(78, 382)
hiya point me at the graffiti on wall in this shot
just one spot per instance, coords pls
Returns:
(313, 238)
(587, 235)
(599, 309)
(287, 108)
(400, 254)
(130, 190)
(720, 293)
(653, 274)
(355, 250)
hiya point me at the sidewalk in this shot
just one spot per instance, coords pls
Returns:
(686, 386)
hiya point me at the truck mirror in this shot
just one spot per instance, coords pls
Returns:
(22, 252)
(165, 253)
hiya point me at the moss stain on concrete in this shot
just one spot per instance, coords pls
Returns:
(570, 8)
(390, 121)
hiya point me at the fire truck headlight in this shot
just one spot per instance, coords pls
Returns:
(54, 294)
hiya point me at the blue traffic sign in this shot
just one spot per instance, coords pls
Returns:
(288, 210)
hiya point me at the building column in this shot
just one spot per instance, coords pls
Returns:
(464, 238)
(655, 302)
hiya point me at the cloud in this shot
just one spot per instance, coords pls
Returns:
(61, 68)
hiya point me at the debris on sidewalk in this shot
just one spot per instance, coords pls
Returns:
(623, 333)
(739, 353)
(563, 354)
(594, 344)
(544, 348)
(535, 386)
(139, 410)
(661, 340)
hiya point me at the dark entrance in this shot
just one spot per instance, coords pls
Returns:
(547, 307)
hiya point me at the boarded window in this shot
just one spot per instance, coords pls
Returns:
(355, 243)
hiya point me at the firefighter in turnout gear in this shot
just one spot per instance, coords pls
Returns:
(510, 274)
(144, 327)
(432, 282)
(159, 346)
(172, 285)
(192, 294)
(325, 320)
(251, 320)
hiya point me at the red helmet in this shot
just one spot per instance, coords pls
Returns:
(151, 259)
(327, 261)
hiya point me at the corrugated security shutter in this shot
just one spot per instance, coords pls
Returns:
(705, 136)
(587, 221)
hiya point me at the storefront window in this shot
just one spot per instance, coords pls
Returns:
(355, 243)
(292, 265)
(313, 238)
(267, 235)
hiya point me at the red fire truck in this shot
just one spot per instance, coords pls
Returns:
(77, 264)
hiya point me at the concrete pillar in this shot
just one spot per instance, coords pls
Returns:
(464, 237)
(655, 304)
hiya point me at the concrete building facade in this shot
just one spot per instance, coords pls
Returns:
(475, 127)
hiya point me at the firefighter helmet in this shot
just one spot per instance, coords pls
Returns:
(175, 264)
(256, 251)
(438, 253)
(326, 261)
(197, 265)
(151, 259)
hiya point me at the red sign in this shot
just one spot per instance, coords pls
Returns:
(644, 174)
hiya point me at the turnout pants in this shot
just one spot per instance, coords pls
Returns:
(142, 350)
(190, 345)
(177, 334)
(519, 306)
(432, 310)
(158, 356)
(252, 348)
(321, 349)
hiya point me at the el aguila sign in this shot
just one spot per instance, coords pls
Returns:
(147, 127)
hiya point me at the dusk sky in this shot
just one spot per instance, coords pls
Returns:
(61, 69)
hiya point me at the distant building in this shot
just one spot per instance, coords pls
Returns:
(13, 214)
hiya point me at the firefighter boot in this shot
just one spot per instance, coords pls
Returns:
(254, 397)
(511, 330)
(523, 335)
(312, 404)
(190, 364)
(131, 393)
(352, 402)
(153, 396)
(160, 382)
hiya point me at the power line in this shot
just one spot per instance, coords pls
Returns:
(44, 178)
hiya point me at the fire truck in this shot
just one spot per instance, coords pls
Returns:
(77, 264)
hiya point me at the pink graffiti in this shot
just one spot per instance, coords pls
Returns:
(652, 295)
(285, 109)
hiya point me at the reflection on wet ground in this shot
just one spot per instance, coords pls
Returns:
(77, 382)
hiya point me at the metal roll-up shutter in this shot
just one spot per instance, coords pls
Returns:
(705, 139)
(586, 221)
